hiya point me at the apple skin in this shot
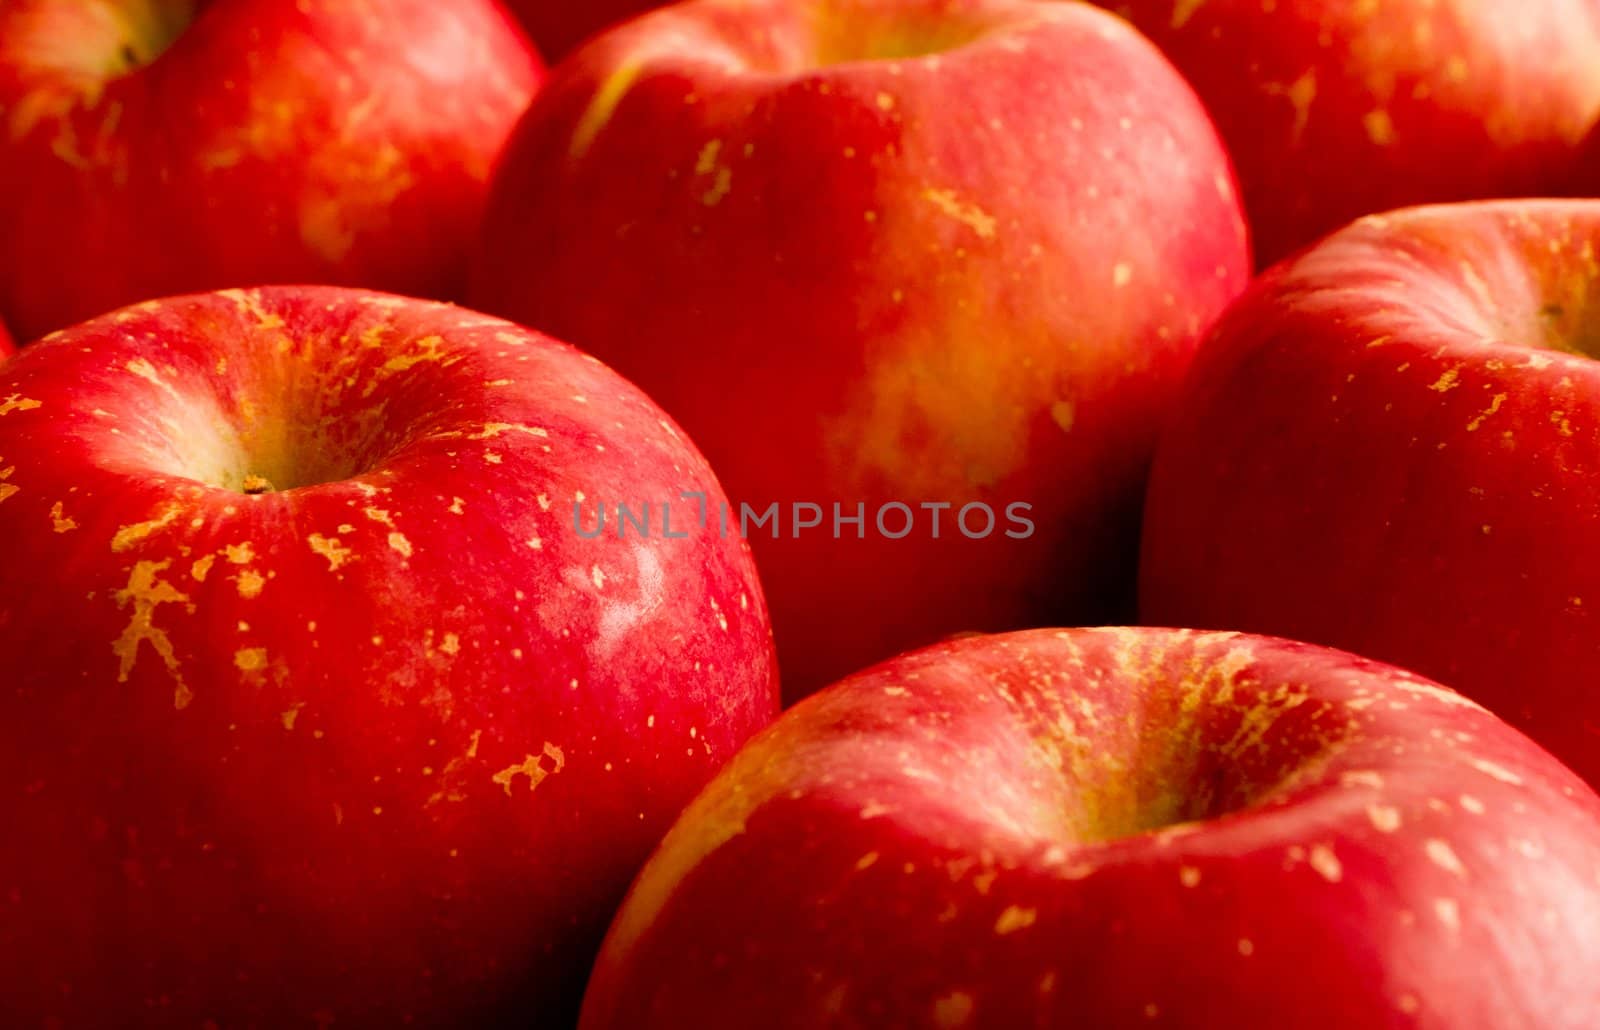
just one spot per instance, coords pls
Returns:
(558, 27)
(1120, 828)
(920, 280)
(7, 345)
(386, 747)
(1391, 444)
(1343, 108)
(320, 141)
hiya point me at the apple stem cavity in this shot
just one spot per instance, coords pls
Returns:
(153, 26)
(846, 34)
(101, 42)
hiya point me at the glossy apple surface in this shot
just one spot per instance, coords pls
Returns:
(151, 147)
(316, 708)
(1121, 828)
(1341, 108)
(886, 252)
(1392, 445)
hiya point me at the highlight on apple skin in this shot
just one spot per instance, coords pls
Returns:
(1392, 445)
(1342, 108)
(315, 707)
(1121, 828)
(886, 251)
(152, 147)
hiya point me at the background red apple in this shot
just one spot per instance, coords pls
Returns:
(1585, 180)
(1121, 828)
(316, 708)
(1341, 108)
(1392, 444)
(149, 148)
(558, 26)
(886, 251)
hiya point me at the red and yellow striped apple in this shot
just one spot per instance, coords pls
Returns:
(1340, 108)
(150, 147)
(1392, 444)
(877, 252)
(1121, 828)
(316, 708)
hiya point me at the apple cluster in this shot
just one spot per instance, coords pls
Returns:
(428, 431)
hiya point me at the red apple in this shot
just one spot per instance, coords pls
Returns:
(558, 26)
(159, 146)
(1585, 180)
(1121, 828)
(316, 707)
(1392, 445)
(878, 253)
(1339, 108)
(7, 345)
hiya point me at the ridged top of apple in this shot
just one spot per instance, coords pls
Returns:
(1103, 827)
(1519, 274)
(291, 388)
(378, 432)
(1077, 744)
(773, 37)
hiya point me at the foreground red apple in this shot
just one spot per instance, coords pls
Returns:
(159, 146)
(1121, 828)
(886, 261)
(558, 26)
(1340, 108)
(1392, 444)
(316, 707)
